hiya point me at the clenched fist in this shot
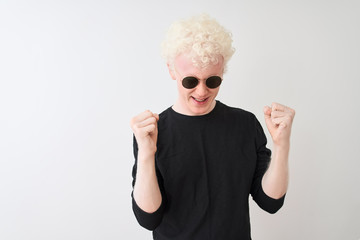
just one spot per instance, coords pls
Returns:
(279, 120)
(145, 130)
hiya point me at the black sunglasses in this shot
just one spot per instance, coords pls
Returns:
(211, 82)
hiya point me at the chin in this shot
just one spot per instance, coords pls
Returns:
(200, 111)
(200, 108)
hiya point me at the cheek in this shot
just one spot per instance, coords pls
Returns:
(215, 91)
(184, 91)
(188, 92)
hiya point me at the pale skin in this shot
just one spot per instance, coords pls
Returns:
(278, 119)
(199, 101)
(146, 189)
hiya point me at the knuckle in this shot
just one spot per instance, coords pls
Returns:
(151, 128)
(132, 120)
(133, 126)
(153, 120)
(275, 104)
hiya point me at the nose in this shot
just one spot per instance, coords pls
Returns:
(201, 89)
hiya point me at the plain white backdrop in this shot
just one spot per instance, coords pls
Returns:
(73, 73)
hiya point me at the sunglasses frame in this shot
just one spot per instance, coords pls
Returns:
(190, 85)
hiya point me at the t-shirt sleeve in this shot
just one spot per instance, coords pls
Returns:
(147, 220)
(265, 202)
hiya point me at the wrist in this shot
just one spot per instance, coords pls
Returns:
(146, 155)
(283, 146)
(280, 154)
(147, 150)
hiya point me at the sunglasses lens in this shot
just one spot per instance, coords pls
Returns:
(213, 82)
(190, 82)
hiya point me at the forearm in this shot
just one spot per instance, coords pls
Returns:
(275, 180)
(147, 193)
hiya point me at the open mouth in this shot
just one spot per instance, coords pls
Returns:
(200, 100)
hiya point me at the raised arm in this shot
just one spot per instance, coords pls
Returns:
(146, 194)
(278, 120)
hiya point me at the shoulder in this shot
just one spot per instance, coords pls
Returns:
(164, 114)
(165, 119)
(236, 113)
(245, 121)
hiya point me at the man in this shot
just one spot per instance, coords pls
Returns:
(197, 163)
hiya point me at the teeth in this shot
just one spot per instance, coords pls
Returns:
(200, 100)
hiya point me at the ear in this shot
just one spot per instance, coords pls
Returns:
(171, 71)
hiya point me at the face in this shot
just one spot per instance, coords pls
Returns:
(201, 99)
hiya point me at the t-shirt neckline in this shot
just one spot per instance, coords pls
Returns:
(217, 105)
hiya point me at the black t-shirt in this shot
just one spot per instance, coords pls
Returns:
(206, 167)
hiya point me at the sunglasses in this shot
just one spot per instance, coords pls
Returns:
(211, 82)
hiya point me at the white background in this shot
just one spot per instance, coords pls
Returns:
(73, 73)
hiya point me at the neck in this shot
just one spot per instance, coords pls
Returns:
(179, 108)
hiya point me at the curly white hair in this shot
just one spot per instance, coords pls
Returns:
(202, 38)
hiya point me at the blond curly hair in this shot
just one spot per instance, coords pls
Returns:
(202, 38)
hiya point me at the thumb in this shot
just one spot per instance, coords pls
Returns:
(267, 116)
(267, 112)
(156, 116)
